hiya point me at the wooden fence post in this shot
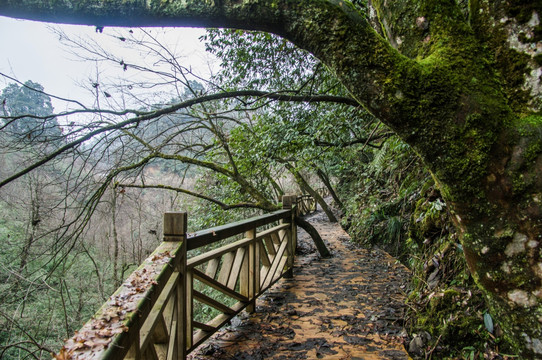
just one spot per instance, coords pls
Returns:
(290, 202)
(175, 226)
(250, 273)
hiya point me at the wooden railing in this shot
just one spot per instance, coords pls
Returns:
(151, 315)
(323, 191)
(305, 204)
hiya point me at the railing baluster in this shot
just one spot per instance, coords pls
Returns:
(255, 266)
(189, 308)
(175, 226)
(225, 268)
(248, 286)
(212, 267)
(240, 256)
(291, 245)
(160, 323)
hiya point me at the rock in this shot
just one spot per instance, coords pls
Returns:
(418, 343)
(416, 346)
(433, 279)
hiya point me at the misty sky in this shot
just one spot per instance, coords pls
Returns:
(31, 51)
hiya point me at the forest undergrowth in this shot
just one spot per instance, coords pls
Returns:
(391, 202)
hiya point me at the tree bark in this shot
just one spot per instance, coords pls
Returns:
(320, 245)
(306, 187)
(116, 278)
(35, 189)
(325, 179)
(439, 80)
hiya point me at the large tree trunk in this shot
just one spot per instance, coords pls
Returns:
(444, 79)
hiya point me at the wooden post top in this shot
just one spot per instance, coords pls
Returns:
(175, 225)
(288, 201)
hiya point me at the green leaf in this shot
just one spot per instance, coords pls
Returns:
(488, 322)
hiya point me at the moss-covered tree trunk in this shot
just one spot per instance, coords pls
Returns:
(444, 78)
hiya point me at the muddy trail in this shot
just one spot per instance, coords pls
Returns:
(349, 306)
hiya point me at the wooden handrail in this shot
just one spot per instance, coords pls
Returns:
(212, 235)
(151, 315)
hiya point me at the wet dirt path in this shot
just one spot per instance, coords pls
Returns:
(347, 307)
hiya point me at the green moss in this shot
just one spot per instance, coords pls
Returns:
(453, 314)
(426, 220)
(530, 128)
(523, 38)
(447, 319)
(533, 151)
(532, 119)
(522, 10)
(510, 64)
(519, 184)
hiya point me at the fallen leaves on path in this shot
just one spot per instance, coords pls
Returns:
(347, 307)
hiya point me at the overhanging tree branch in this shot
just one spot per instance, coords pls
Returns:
(322, 27)
(222, 205)
(169, 110)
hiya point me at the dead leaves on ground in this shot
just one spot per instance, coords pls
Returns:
(348, 306)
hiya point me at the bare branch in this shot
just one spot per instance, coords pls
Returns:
(222, 205)
(42, 92)
(171, 109)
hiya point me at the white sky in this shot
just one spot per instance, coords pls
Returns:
(31, 51)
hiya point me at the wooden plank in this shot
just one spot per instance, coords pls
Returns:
(168, 312)
(213, 303)
(161, 351)
(236, 267)
(225, 268)
(244, 277)
(254, 264)
(291, 252)
(263, 274)
(188, 303)
(173, 347)
(212, 267)
(174, 226)
(160, 334)
(216, 253)
(134, 352)
(276, 238)
(270, 247)
(263, 254)
(204, 327)
(203, 278)
(150, 353)
(280, 269)
(288, 201)
(275, 265)
(217, 322)
(158, 273)
(156, 313)
(267, 232)
(209, 236)
(282, 234)
(246, 286)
